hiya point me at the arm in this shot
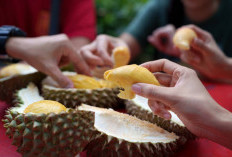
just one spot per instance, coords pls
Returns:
(46, 54)
(183, 93)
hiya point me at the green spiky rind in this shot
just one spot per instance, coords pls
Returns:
(9, 85)
(168, 125)
(62, 134)
(103, 97)
(105, 145)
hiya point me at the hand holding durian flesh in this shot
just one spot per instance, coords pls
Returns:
(183, 38)
(45, 106)
(126, 76)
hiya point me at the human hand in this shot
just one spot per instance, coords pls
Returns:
(48, 53)
(206, 57)
(183, 93)
(98, 53)
(161, 38)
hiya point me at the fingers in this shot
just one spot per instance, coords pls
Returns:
(191, 57)
(159, 109)
(102, 44)
(57, 75)
(158, 93)
(91, 59)
(161, 65)
(203, 35)
(163, 78)
(201, 46)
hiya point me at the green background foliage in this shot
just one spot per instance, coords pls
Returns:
(113, 16)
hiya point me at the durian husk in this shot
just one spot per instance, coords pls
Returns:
(169, 125)
(61, 134)
(9, 85)
(104, 145)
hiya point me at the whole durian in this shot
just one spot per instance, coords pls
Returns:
(50, 129)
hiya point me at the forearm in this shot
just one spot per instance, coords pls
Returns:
(132, 43)
(220, 129)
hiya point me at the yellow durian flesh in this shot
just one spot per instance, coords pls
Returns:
(84, 82)
(16, 69)
(107, 84)
(183, 37)
(121, 56)
(45, 106)
(126, 76)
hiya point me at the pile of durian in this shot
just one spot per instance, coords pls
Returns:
(65, 122)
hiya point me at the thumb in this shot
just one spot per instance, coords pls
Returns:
(200, 46)
(158, 93)
(58, 76)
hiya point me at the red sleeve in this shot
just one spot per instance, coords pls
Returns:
(78, 18)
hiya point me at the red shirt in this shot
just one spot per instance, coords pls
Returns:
(77, 17)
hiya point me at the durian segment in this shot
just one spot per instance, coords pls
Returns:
(124, 135)
(183, 37)
(16, 69)
(102, 97)
(107, 84)
(139, 107)
(121, 56)
(84, 82)
(45, 106)
(128, 75)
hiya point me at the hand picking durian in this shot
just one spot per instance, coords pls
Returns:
(88, 90)
(183, 37)
(126, 76)
(120, 56)
(46, 128)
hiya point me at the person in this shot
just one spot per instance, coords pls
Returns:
(183, 93)
(163, 16)
(76, 24)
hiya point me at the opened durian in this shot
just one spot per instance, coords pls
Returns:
(139, 107)
(102, 132)
(126, 76)
(17, 76)
(183, 37)
(54, 131)
(120, 56)
(95, 92)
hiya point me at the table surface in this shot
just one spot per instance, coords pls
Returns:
(222, 93)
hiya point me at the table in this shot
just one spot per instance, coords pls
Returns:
(222, 93)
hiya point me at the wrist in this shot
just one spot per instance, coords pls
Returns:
(15, 47)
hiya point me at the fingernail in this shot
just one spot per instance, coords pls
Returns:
(167, 116)
(136, 88)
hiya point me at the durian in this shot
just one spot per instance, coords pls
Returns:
(101, 132)
(15, 77)
(126, 76)
(119, 135)
(139, 107)
(65, 133)
(183, 37)
(99, 93)
(16, 69)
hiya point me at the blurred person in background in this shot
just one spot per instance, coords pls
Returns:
(156, 24)
(71, 25)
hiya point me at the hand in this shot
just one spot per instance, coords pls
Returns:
(183, 93)
(48, 53)
(161, 38)
(207, 58)
(98, 52)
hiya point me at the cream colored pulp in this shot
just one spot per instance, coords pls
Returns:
(143, 103)
(127, 127)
